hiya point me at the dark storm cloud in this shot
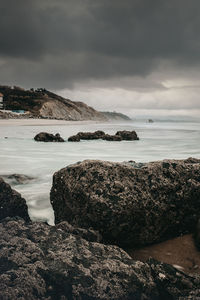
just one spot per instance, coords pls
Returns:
(58, 43)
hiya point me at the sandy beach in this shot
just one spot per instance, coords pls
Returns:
(42, 122)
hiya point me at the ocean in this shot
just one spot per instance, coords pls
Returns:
(19, 153)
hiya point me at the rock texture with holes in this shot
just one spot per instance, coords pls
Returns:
(38, 261)
(129, 206)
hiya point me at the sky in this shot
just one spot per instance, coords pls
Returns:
(139, 57)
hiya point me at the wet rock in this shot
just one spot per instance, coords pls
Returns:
(11, 203)
(109, 137)
(48, 137)
(129, 206)
(39, 261)
(128, 135)
(17, 178)
(86, 136)
(74, 138)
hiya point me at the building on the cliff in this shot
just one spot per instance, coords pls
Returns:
(1, 101)
(18, 111)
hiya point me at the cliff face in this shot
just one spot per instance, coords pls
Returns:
(43, 103)
(115, 116)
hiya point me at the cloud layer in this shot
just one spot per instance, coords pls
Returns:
(135, 45)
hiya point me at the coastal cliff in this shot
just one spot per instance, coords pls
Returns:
(41, 103)
(45, 104)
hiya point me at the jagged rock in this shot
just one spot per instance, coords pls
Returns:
(38, 261)
(108, 137)
(128, 135)
(11, 203)
(48, 137)
(129, 206)
(17, 178)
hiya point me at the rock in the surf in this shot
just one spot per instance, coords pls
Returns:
(48, 137)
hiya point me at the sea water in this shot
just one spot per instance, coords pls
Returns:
(19, 153)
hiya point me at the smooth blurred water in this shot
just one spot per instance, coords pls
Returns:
(19, 153)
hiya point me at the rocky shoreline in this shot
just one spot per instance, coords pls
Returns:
(99, 205)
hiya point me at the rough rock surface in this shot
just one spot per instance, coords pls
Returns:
(129, 206)
(69, 110)
(11, 203)
(48, 137)
(128, 135)
(38, 261)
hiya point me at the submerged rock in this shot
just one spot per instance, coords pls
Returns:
(128, 135)
(39, 261)
(48, 137)
(11, 203)
(129, 206)
(17, 178)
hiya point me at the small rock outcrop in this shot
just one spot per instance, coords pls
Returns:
(11, 203)
(17, 178)
(119, 136)
(48, 137)
(128, 135)
(38, 261)
(129, 206)
(91, 135)
(74, 138)
(86, 136)
(108, 137)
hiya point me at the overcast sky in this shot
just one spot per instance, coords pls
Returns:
(141, 57)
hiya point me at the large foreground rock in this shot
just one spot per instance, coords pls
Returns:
(11, 203)
(130, 206)
(38, 261)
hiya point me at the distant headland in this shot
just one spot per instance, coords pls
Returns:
(17, 102)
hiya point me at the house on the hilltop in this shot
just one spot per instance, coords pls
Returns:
(1, 101)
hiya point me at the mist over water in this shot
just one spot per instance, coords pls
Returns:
(19, 153)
